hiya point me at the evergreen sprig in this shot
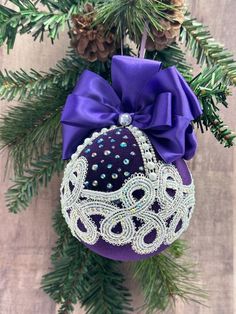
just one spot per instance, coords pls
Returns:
(80, 275)
(212, 96)
(28, 128)
(131, 16)
(29, 19)
(207, 50)
(21, 85)
(164, 278)
(105, 292)
(39, 174)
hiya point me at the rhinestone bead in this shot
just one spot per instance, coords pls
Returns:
(113, 140)
(123, 144)
(141, 168)
(109, 186)
(126, 173)
(94, 155)
(125, 119)
(114, 176)
(95, 183)
(117, 156)
(103, 176)
(152, 176)
(87, 151)
(109, 166)
(101, 146)
(94, 167)
(107, 152)
(132, 154)
(100, 140)
(126, 161)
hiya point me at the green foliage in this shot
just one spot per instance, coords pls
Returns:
(131, 16)
(61, 5)
(39, 174)
(207, 51)
(105, 293)
(21, 85)
(28, 19)
(164, 278)
(80, 275)
(213, 95)
(27, 129)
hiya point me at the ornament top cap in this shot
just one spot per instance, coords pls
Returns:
(125, 119)
(159, 101)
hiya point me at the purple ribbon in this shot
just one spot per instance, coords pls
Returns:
(159, 100)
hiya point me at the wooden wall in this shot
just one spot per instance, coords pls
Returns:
(26, 239)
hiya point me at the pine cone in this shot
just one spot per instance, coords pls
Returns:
(91, 42)
(161, 39)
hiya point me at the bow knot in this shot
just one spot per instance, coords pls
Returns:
(157, 101)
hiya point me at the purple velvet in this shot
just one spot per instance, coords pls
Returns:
(160, 103)
(111, 142)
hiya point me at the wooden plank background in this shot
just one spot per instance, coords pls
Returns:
(26, 239)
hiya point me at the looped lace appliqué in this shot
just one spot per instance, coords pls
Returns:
(136, 217)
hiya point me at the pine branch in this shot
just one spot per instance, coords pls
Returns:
(61, 5)
(131, 16)
(173, 56)
(21, 85)
(28, 19)
(40, 173)
(80, 275)
(28, 128)
(207, 51)
(213, 96)
(106, 293)
(164, 278)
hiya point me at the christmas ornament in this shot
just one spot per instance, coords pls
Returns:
(127, 193)
(91, 42)
(171, 28)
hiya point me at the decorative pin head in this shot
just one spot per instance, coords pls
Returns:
(125, 119)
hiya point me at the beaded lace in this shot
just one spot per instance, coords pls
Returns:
(122, 207)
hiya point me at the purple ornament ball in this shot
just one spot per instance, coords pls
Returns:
(121, 200)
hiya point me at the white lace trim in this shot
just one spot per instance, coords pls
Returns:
(79, 204)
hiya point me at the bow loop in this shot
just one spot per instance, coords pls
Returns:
(159, 101)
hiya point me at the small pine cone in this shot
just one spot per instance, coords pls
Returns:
(162, 38)
(91, 42)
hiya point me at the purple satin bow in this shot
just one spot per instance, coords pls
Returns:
(160, 102)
